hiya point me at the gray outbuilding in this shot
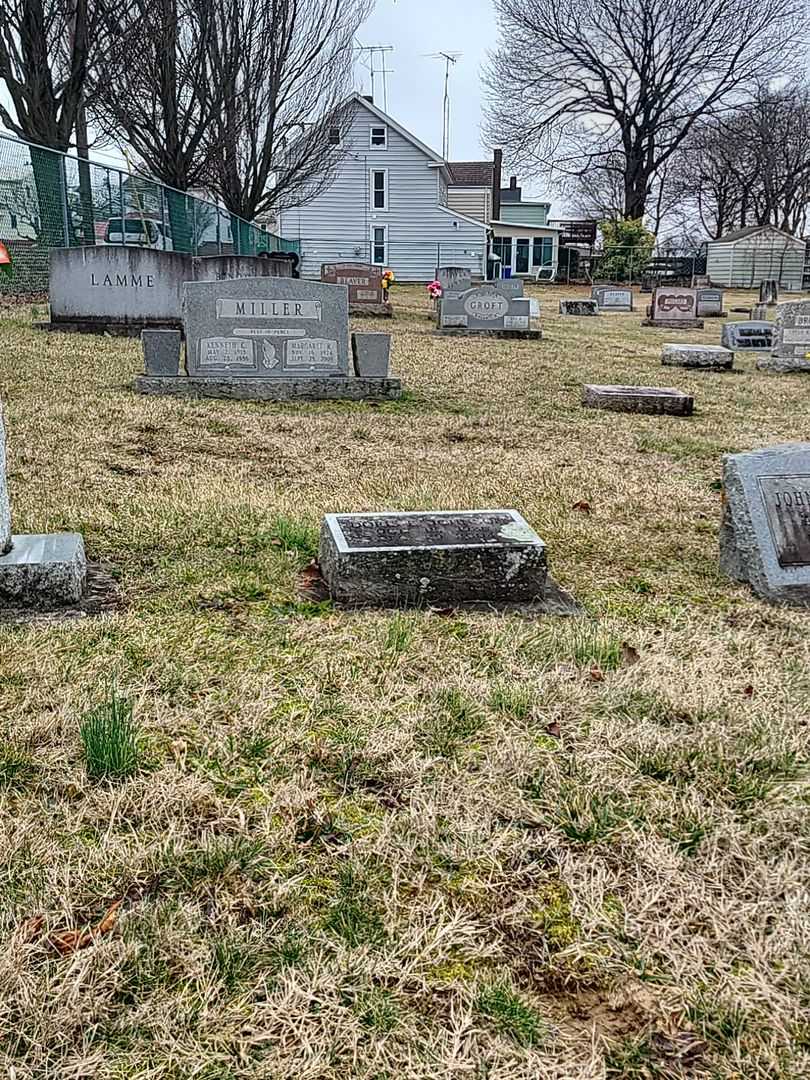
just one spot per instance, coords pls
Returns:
(744, 258)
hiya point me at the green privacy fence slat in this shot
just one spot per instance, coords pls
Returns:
(48, 199)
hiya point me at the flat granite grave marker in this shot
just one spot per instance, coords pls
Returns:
(268, 339)
(365, 284)
(673, 308)
(484, 311)
(700, 357)
(611, 298)
(40, 571)
(747, 336)
(710, 303)
(765, 532)
(161, 351)
(579, 307)
(655, 400)
(427, 557)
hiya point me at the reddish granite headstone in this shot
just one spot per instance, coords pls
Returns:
(364, 281)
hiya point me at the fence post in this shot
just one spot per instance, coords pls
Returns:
(163, 219)
(438, 255)
(219, 231)
(194, 225)
(63, 200)
(121, 208)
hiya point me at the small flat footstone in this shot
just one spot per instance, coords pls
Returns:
(656, 400)
(765, 532)
(43, 571)
(422, 558)
(702, 357)
(674, 324)
(784, 365)
(579, 307)
(520, 335)
(311, 388)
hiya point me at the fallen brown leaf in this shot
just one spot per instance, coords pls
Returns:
(597, 674)
(69, 941)
(748, 690)
(582, 506)
(553, 729)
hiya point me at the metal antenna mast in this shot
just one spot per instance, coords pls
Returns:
(449, 58)
(372, 57)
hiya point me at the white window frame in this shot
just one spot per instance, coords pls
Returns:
(334, 127)
(384, 207)
(378, 127)
(384, 260)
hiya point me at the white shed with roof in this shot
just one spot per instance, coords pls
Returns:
(744, 258)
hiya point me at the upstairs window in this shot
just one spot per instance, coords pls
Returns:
(379, 138)
(379, 189)
(334, 136)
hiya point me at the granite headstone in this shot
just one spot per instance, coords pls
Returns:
(700, 357)
(454, 280)
(747, 336)
(266, 328)
(791, 332)
(579, 307)
(486, 310)
(612, 298)
(709, 303)
(674, 308)
(765, 532)
(365, 284)
(655, 400)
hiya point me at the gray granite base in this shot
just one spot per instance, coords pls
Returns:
(114, 329)
(697, 357)
(520, 335)
(314, 388)
(43, 571)
(654, 400)
(674, 324)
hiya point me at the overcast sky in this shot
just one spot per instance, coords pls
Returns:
(416, 84)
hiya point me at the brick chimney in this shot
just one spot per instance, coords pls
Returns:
(497, 164)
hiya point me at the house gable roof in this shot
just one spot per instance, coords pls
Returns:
(386, 119)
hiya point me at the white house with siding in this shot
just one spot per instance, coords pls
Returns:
(746, 257)
(388, 204)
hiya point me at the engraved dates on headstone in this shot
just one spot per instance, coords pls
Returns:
(787, 506)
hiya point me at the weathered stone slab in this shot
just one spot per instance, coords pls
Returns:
(579, 307)
(5, 506)
(432, 557)
(120, 289)
(365, 284)
(709, 303)
(703, 357)
(747, 336)
(783, 365)
(371, 354)
(768, 291)
(484, 308)
(309, 388)
(612, 298)
(43, 571)
(791, 332)
(765, 533)
(674, 308)
(266, 328)
(656, 400)
(161, 351)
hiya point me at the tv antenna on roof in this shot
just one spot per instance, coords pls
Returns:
(449, 58)
(370, 57)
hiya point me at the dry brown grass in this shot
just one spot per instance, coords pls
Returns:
(403, 845)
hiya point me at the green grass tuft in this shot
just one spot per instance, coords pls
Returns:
(510, 1015)
(299, 537)
(111, 741)
(16, 766)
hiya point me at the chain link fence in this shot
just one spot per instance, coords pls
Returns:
(49, 199)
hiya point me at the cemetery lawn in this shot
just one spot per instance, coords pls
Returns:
(431, 844)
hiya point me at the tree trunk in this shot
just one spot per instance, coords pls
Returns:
(50, 196)
(85, 183)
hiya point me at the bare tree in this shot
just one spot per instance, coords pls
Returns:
(45, 49)
(285, 69)
(153, 91)
(576, 82)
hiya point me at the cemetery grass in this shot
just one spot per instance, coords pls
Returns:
(244, 834)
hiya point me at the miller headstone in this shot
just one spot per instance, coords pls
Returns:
(656, 400)
(747, 336)
(485, 311)
(612, 298)
(765, 533)
(674, 308)
(432, 557)
(41, 571)
(365, 284)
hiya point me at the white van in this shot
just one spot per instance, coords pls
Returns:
(140, 232)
